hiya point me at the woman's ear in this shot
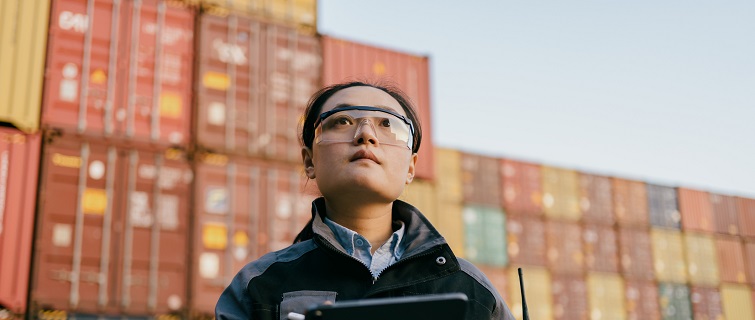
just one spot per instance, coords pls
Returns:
(412, 166)
(309, 166)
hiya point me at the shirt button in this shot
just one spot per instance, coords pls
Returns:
(360, 242)
(440, 260)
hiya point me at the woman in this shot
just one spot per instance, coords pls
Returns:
(360, 146)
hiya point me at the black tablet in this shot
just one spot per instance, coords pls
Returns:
(446, 306)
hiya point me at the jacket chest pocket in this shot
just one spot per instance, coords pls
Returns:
(300, 301)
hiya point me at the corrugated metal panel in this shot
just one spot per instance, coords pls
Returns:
(668, 256)
(630, 202)
(422, 195)
(737, 302)
(19, 163)
(121, 70)
(560, 193)
(569, 297)
(595, 199)
(564, 243)
(485, 236)
(663, 207)
(706, 303)
(480, 180)
(696, 210)
(497, 277)
(674, 301)
(448, 175)
(634, 249)
(731, 262)
(746, 210)
(526, 240)
(725, 214)
(23, 37)
(522, 188)
(300, 13)
(537, 288)
(349, 61)
(606, 296)
(749, 255)
(450, 224)
(702, 260)
(600, 248)
(642, 300)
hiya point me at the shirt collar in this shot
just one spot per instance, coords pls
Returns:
(346, 237)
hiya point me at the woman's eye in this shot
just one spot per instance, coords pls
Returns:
(385, 123)
(343, 121)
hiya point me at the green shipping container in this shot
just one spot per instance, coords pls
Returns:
(485, 236)
(674, 301)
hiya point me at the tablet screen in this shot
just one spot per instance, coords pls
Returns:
(447, 306)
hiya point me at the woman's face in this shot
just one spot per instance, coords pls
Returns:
(362, 169)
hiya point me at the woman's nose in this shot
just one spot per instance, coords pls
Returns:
(365, 133)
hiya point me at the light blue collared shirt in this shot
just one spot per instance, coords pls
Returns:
(358, 247)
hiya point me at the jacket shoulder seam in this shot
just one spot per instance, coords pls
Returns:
(258, 267)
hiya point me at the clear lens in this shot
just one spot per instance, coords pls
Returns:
(344, 126)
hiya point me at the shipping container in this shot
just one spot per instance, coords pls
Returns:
(244, 208)
(630, 202)
(746, 210)
(113, 228)
(19, 163)
(702, 260)
(749, 255)
(560, 193)
(537, 290)
(254, 81)
(674, 301)
(668, 255)
(450, 223)
(600, 248)
(606, 296)
(448, 175)
(663, 207)
(696, 210)
(706, 303)
(635, 252)
(641, 300)
(522, 187)
(498, 277)
(480, 180)
(725, 214)
(526, 240)
(121, 70)
(350, 61)
(595, 199)
(731, 261)
(422, 195)
(23, 37)
(569, 297)
(564, 247)
(485, 236)
(737, 302)
(299, 13)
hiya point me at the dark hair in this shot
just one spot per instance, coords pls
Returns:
(314, 108)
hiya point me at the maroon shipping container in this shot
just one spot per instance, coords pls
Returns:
(630, 202)
(642, 300)
(731, 261)
(749, 254)
(706, 303)
(344, 61)
(254, 81)
(595, 200)
(564, 243)
(480, 180)
(19, 162)
(746, 209)
(569, 297)
(635, 253)
(725, 214)
(113, 231)
(526, 240)
(120, 70)
(522, 189)
(600, 248)
(243, 209)
(696, 210)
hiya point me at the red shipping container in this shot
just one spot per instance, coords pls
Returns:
(19, 163)
(480, 180)
(706, 303)
(600, 248)
(696, 210)
(731, 261)
(630, 202)
(113, 230)
(569, 297)
(522, 189)
(746, 210)
(635, 253)
(725, 214)
(526, 240)
(244, 209)
(254, 83)
(120, 70)
(642, 300)
(564, 243)
(350, 61)
(595, 200)
(749, 248)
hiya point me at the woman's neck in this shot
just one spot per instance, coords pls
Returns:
(372, 221)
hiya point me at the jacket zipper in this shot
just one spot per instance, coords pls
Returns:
(333, 248)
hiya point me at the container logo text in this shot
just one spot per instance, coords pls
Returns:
(230, 53)
(73, 21)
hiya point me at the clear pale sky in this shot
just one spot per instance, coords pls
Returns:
(659, 91)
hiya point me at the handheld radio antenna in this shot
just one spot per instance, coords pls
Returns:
(524, 300)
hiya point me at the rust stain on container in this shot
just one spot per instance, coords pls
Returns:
(668, 255)
(564, 247)
(696, 210)
(635, 253)
(630, 202)
(746, 210)
(480, 180)
(702, 260)
(596, 202)
(600, 248)
(663, 207)
(537, 287)
(641, 300)
(706, 303)
(731, 261)
(725, 214)
(569, 297)
(522, 188)
(526, 240)
(297, 13)
(560, 193)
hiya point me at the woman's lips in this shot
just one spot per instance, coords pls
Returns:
(364, 154)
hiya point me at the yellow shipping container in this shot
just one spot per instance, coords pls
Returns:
(537, 290)
(560, 193)
(605, 292)
(421, 194)
(737, 302)
(448, 175)
(702, 260)
(302, 13)
(449, 221)
(668, 255)
(23, 45)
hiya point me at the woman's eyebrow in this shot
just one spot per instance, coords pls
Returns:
(346, 105)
